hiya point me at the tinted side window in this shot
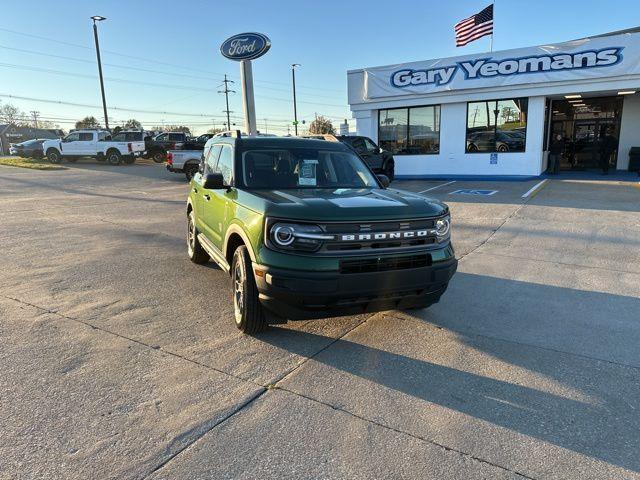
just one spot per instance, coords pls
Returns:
(212, 158)
(72, 137)
(225, 164)
(370, 145)
(163, 137)
(176, 137)
(86, 137)
(358, 145)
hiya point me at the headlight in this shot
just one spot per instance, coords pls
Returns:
(443, 228)
(295, 237)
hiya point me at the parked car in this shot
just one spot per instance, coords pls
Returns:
(379, 160)
(158, 147)
(27, 149)
(505, 141)
(184, 161)
(306, 230)
(92, 143)
(196, 143)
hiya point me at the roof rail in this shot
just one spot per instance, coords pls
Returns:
(321, 136)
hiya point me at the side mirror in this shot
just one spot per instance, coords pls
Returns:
(213, 181)
(384, 180)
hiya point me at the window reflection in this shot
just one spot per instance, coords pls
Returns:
(497, 126)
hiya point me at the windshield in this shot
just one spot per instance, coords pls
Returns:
(304, 168)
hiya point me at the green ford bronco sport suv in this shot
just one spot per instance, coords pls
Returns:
(306, 230)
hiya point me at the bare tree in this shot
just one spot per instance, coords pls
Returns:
(321, 125)
(132, 124)
(88, 122)
(12, 114)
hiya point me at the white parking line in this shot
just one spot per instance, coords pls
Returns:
(437, 186)
(536, 187)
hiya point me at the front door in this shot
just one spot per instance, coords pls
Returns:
(216, 203)
(69, 144)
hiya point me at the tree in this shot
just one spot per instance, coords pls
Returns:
(88, 122)
(321, 125)
(132, 124)
(12, 114)
(117, 130)
(213, 131)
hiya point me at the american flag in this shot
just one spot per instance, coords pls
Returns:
(474, 27)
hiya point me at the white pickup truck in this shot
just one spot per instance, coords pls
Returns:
(185, 161)
(92, 143)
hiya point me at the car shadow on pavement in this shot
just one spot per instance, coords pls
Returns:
(584, 405)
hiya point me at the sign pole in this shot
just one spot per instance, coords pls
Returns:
(248, 102)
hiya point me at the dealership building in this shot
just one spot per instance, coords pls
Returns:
(494, 114)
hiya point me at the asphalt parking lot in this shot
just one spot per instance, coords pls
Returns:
(119, 357)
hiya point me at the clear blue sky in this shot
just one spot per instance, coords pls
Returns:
(327, 38)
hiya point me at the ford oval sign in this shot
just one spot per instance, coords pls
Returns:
(245, 46)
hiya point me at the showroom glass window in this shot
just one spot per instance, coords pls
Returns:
(497, 126)
(410, 131)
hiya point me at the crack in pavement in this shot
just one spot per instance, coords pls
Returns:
(412, 435)
(264, 389)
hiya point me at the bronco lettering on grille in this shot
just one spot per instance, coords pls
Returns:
(353, 237)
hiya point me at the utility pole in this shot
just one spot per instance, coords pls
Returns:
(295, 107)
(226, 92)
(35, 114)
(265, 126)
(98, 18)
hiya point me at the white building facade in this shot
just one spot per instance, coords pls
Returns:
(494, 114)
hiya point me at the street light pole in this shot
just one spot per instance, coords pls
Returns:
(295, 107)
(98, 18)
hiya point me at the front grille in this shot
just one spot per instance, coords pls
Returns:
(369, 237)
(384, 264)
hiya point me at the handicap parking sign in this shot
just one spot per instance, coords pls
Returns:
(493, 159)
(474, 192)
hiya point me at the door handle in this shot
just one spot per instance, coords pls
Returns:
(207, 197)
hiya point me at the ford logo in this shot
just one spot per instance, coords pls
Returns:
(245, 46)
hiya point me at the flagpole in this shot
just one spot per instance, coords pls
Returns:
(493, 3)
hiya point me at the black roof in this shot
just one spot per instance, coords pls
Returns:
(286, 142)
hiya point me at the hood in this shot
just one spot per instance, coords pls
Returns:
(345, 204)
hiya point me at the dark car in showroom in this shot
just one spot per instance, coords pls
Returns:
(501, 141)
(28, 149)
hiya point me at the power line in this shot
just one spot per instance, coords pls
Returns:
(182, 67)
(136, 82)
(133, 110)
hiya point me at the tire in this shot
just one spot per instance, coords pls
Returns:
(129, 159)
(159, 157)
(190, 169)
(194, 249)
(54, 155)
(114, 157)
(389, 170)
(503, 148)
(247, 310)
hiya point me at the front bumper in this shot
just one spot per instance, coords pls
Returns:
(297, 295)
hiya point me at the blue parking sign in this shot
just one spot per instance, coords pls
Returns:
(493, 159)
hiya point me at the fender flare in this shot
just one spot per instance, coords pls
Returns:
(235, 228)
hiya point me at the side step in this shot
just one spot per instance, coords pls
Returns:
(215, 254)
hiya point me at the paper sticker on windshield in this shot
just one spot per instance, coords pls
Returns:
(307, 175)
